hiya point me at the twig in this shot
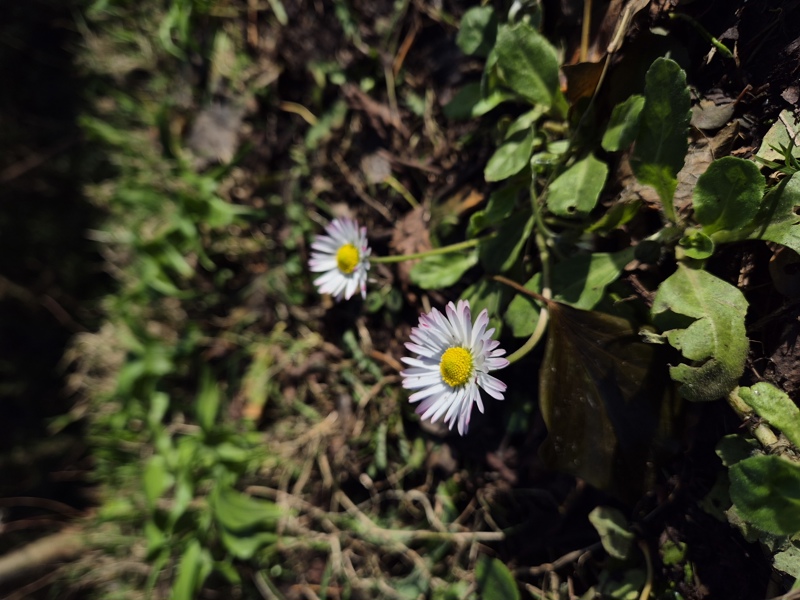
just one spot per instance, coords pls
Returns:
(60, 547)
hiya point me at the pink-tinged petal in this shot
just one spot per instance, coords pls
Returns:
(492, 386)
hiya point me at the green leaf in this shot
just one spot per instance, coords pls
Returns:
(523, 312)
(776, 220)
(734, 447)
(775, 407)
(697, 245)
(703, 317)
(494, 580)
(511, 157)
(478, 30)
(615, 534)
(470, 102)
(728, 194)
(782, 134)
(156, 479)
(500, 205)
(528, 63)
(499, 253)
(576, 190)
(245, 546)
(490, 295)
(581, 281)
(766, 493)
(240, 513)
(623, 124)
(606, 399)
(194, 568)
(207, 401)
(619, 214)
(442, 270)
(661, 142)
(788, 561)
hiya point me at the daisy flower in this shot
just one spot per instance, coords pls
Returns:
(342, 256)
(453, 361)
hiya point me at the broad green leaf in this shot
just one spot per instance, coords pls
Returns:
(470, 102)
(734, 447)
(783, 132)
(499, 253)
(614, 530)
(697, 245)
(788, 561)
(511, 157)
(775, 407)
(623, 124)
(766, 493)
(606, 399)
(239, 513)
(581, 281)
(776, 220)
(728, 194)
(499, 206)
(576, 190)
(442, 270)
(661, 142)
(478, 30)
(194, 567)
(494, 580)
(528, 63)
(703, 317)
(523, 312)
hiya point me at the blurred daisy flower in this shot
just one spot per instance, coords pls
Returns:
(342, 256)
(454, 358)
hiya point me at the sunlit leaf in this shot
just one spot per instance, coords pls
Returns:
(775, 407)
(697, 245)
(523, 312)
(728, 194)
(576, 190)
(624, 124)
(441, 270)
(661, 142)
(766, 492)
(511, 156)
(777, 220)
(606, 399)
(528, 63)
(703, 317)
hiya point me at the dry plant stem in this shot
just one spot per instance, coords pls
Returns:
(765, 436)
(60, 547)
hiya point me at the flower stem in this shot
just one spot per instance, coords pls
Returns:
(435, 252)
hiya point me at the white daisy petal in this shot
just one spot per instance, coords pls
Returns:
(453, 359)
(345, 279)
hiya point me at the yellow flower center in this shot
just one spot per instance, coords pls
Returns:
(456, 366)
(347, 258)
